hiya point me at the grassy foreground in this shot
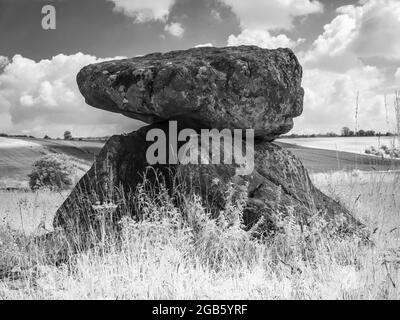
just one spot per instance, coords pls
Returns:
(166, 257)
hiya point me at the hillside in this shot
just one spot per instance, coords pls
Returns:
(18, 155)
(320, 160)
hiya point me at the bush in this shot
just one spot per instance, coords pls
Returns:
(384, 150)
(67, 135)
(53, 171)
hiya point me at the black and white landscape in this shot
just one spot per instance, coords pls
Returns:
(199, 149)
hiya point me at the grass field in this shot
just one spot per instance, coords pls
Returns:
(321, 160)
(167, 259)
(200, 258)
(344, 144)
(18, 155)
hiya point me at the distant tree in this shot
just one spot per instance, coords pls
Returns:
(361, 133)
(370, 133)
(345, 131)
(67, 135)
(46, 137)
(331, 134)
(53, 171)
(351, 133)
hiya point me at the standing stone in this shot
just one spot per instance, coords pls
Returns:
(279, 184)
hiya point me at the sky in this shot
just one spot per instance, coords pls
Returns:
(344, 46)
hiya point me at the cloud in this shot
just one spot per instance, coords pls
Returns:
(175, 29)
(397, 74)
(271, 14)
(378, 29)
(331, 49)
(263, 39)
(204, 45)
(216, 15)
(340, 62)
(3, 62)
(258, 17)
(43, 98)
(330, 99)
(144, 11)
(366, 31)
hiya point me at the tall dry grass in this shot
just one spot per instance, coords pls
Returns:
(171, 253)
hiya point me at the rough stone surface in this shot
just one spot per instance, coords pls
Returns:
(242, 87)
(278, 185)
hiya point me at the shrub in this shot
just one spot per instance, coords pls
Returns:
(384, 150)
(53, 171)
(67, 135)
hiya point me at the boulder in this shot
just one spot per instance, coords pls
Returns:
(243, 87)
(278, 185)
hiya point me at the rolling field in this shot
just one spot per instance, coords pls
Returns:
(343, 144)
(322, 160)
(18, 155)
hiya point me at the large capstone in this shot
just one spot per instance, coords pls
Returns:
(242, 87)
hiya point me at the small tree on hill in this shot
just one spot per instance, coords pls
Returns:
(67, 135)
(345, 131)
(53, 171)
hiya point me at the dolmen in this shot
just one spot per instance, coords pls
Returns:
(196, 95)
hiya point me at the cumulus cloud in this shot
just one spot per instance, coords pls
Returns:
(204, 45)
(378, 29)
(339, 64)
(175, 29)
(330, 99)
(263, 39)
(271, 14)
(43, 98)
(258, 17)
(331, 49)
(144, 11)
(3, 62)
(369, 30)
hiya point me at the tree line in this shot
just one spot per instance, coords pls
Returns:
(345, 132)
